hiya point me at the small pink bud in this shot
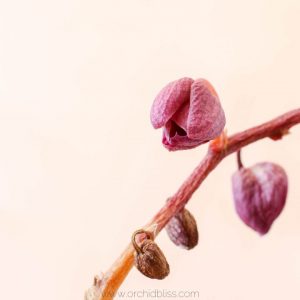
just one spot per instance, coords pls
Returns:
(259, 194)
(189, 112)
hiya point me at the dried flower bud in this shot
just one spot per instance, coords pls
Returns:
(189, 112)
(149, 259)
(259, 194)
(182, 230)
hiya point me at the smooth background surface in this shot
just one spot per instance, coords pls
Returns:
(81, 167)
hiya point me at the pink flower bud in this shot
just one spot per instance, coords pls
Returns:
(259, 194)
(189, 112)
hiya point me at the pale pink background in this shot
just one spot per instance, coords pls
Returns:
(81, 166)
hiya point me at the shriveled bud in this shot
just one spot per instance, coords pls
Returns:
(259, 194)
(189, 112)
(149, 259)
(182, 230)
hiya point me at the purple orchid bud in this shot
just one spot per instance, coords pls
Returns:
(189, 112)
(259, 194)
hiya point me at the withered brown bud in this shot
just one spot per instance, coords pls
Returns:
(182, 230)
(149, 259)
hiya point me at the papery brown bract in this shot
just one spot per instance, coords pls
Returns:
(189, 112)
(259, 194)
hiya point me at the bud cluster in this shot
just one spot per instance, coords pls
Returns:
(191, 114)
(149, 259)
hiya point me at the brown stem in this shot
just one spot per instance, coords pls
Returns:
(218, 149)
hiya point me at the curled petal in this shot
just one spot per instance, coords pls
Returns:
(206, 118)
(169, 100)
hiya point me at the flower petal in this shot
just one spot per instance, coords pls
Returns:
(206, 118)
(169, 100)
